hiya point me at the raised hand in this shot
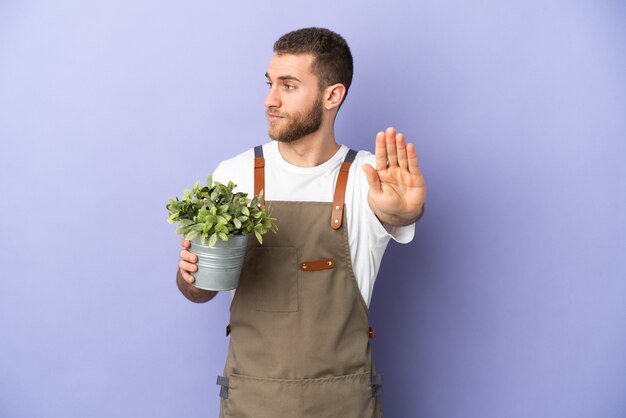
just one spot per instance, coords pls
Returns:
(397, 188)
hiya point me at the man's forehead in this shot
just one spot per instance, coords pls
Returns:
(290, 65)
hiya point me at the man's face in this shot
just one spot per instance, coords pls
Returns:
(293, 105)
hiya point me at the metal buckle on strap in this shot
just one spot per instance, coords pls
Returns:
(339, 195)
(223, 382)
(377, 384)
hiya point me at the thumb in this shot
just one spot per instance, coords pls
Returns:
(372, 177)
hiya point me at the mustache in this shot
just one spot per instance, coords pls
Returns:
(273, 112)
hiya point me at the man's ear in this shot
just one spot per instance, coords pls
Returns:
(333, 96)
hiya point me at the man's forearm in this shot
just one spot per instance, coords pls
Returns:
(193, 293)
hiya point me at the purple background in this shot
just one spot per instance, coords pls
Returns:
(509, 303)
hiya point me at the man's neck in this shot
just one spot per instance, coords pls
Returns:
(311, 150)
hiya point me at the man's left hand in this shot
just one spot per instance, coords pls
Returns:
(397, 188)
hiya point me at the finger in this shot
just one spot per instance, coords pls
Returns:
(188, 267)
(372, 177)
(188, 277)
(401, 149)
(413, 163)
(188, 256)
(185, 243)
(381, 151)
(390, 143)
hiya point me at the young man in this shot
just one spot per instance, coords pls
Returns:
(299, 325)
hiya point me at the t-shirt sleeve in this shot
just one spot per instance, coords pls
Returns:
(402, 234)
(239, 170)
(218, 173)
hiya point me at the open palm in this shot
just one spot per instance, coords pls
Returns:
(397, 188)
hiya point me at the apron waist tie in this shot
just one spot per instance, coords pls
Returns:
(223, 382)
(377, 384)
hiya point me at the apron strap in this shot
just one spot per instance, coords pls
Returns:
(223, 382)
(259, 173)
(377, 384)
(340, 191)
(340, 187)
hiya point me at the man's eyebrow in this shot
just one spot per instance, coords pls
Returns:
(284, 77)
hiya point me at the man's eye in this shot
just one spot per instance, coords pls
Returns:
(289, 86)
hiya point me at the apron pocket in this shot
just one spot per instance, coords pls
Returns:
(347, 396)
(276, 279)
(252, 397)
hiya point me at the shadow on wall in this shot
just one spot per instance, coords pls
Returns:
(399, 314)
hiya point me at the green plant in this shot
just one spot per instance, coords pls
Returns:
(215, 211)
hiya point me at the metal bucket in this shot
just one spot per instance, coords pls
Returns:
(219, 267)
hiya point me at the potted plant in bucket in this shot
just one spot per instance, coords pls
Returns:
(218, 222)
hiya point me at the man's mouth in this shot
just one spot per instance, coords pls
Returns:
(273, 116)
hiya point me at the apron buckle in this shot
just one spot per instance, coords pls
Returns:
(377, 384)
(223, 382)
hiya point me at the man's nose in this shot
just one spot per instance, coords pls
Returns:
(273, 98)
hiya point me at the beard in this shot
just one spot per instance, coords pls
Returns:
(297, 125)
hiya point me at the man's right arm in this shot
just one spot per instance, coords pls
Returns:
(184, 279)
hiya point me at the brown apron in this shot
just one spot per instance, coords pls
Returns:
(299, 326)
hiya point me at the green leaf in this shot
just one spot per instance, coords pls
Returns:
(212, 240)
(259, 237)
(215, 212)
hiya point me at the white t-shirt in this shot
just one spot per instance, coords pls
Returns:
(367, 237)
